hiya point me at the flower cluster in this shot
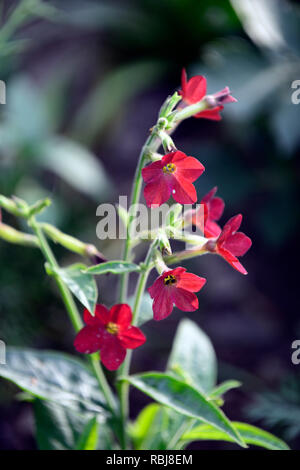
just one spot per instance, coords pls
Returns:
(172, 174)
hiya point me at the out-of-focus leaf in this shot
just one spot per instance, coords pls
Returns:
(146, 312)
(285, 123)
(261, 20)
(110, 97)
(60, 428)
(114, 267)
(89, 437)
(250, 434)
(76, 165)
(144, 425)
(194, 355)
(57, 427)
(184, 399)
(224, 387)
(253, 80)
(55, 377)
(271, 24)
(82, 285)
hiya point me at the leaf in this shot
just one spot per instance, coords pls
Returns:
(114, 267)
(146, 312)
(143, 426)
(250, 434)
(184, 399)
(60, 428)
(82, 285)
(76, 165)
(193, 353)
(55, 377)
(89, 438)
(224, 387)
(57, 427)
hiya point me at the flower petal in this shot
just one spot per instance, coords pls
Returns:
(152, 171)
(132, 338)
(162, 305)
(230, 227)
(121, 315)
(216, 208)
(213, 114)
(184, 300)
(89, 339)
(157, 192)
(189, 168)
(183, 191)
(232, 260)
(194, 90)
(101, 315)
(238, 244)
(112, 353)
(190, 282)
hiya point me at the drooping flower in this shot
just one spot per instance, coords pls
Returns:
(172, 175)
(205, 217)
(230, 244)
(194, 90)
(175, 286)
(111, 333)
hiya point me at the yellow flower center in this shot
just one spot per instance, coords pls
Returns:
(112, 328)
(169, 168)
(169, 280)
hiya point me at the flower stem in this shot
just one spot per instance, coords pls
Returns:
(151, 145)
(124, 369)
(72, 311)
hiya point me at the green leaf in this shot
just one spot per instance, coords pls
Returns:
(146, 312)
(143, 426)
(250, 434)
(60, 428)
(224, 387)
(184, 399)
(193, 354)
(114, 267)
(55, 377)
(57, 427)
(82, 285)
(75, 165)
(89, 438)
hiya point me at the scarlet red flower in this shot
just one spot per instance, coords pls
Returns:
(109, 332)
(212, 211)
(173, 174)
(231, 243)
(194, 90)
(175, 286)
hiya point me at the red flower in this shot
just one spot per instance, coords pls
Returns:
(212, 211)
(175, 287)
(109, 332)
(194, 90)
(173, 174)
(231, 243)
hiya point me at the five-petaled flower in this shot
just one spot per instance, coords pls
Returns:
(172, 175)
(231, 243)
(194, 90)
(205, 217)
(177, 287)
(111, 333)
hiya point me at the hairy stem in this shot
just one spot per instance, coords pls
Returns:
(72, 312)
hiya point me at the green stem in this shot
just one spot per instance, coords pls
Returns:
(152, 144)
(124, 369)
(185, 427)
(73, 312)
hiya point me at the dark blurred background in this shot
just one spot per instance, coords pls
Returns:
(85, 80)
